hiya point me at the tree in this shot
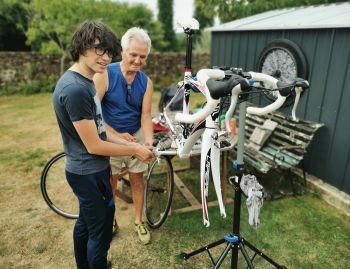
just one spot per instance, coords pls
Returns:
(228, 10)
(51, 23)
(204, 20)
(133, 16)
(12, 36)
(165, 16)
(203, 43)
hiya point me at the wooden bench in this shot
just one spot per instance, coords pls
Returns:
(125, 194)
(276, 142)
(279, 149)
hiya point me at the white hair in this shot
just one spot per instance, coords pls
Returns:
(138, 34)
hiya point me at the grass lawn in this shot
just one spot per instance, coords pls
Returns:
(300, 233)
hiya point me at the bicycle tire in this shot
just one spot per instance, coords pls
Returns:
(159, 189)
(55, 189)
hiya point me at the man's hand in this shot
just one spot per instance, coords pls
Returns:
(144, 153)
(128, 137)
(149, 143)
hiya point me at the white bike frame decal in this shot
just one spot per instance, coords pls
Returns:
(205, 169)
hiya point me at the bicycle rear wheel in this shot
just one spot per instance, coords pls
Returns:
(159, 189)
(55, 189)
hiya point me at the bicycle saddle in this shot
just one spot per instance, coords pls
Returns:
(188, 23)
(220, 88)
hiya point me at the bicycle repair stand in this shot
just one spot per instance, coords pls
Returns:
(235, 241)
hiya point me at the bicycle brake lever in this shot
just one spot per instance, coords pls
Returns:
(298, 91)
(304, 84)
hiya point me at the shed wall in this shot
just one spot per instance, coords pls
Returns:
(327, 101)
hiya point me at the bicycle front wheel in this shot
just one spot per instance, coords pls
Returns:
(159, 189)
(55, 189)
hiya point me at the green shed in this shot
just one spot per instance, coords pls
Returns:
(314, 43)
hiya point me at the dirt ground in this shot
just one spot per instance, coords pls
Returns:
(126, 235)
(32, 236)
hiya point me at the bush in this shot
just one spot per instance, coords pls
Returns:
(162, 82)
(40, 85)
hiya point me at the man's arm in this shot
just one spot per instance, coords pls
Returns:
(118, 138)
(87, 132)
(124, 136)
(146, 116)
(101, 84)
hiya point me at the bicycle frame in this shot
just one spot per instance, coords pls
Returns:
(209, 150)
(187, 136)
(205, 122)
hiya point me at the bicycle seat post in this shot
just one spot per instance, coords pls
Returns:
(188, 63)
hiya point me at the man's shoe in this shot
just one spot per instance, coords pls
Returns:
(143, 233)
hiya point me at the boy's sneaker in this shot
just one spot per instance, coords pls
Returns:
(143, 233)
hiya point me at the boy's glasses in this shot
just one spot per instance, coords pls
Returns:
(100, 52)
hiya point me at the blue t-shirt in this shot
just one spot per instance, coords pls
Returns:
(75, 99)
(122, 103)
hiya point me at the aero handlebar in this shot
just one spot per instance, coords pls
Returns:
(282, 89)
(269, 83)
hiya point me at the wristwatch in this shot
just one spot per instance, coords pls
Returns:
(284, 60)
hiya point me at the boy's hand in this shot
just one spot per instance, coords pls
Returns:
(144, 153)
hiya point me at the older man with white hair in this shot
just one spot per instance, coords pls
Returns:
(126, 96)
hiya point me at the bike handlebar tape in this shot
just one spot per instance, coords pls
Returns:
(298, 91)
(272, 82)
(267, 109)
(234, 97)
(198, 116)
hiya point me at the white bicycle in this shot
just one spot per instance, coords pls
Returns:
(199, 133)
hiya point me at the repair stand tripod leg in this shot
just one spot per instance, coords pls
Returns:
(235, 242)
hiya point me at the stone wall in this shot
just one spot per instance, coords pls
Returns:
(18, 67)
(172, 64)
(25, 66)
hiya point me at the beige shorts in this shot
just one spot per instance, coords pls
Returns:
(133, 164)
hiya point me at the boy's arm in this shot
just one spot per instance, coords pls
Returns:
(87, 132)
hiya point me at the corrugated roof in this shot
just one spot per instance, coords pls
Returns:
(310, 17)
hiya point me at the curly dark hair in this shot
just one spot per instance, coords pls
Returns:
(85, 37)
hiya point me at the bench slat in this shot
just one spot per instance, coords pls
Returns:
(286, 146)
